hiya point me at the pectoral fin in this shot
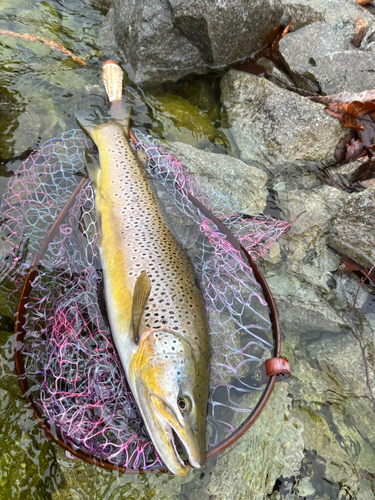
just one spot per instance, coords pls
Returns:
(142, 290)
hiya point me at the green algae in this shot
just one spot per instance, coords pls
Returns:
(201, 93)
(178, 119)
(26, 459)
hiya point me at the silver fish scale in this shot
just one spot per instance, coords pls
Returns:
(175, 302)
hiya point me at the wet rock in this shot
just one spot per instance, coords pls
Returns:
(305, 488)
(27, 458)
(368, 42)
(320, 59)
(243, 184)
(304, 244)
(304, 314)
(82, 480)
(332, 407)
(164, 41)
(342, 357)
(275, 129)
(201, 92)
(301, 282)
(345, 174)
(340, 14)
(272, 448)
(39, 122)
(353, 233)
(179, 120)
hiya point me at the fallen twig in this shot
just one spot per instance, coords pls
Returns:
(50, 43)
(355, 330)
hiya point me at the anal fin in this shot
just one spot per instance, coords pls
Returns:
(142, 290)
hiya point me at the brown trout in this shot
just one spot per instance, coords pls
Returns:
(155, 308)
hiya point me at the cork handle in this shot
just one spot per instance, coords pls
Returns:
(112, 78)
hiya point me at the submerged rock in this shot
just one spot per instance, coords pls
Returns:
(244, 185)
(163, 41)
(179, 120)
(300, 283)
(353, 233)
(320, 59)
(27, 458)
(272, 448)
(340, 14)
(275, 129)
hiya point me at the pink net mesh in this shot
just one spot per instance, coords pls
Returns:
(72, 368)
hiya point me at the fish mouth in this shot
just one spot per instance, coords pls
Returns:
(173, 437)
(176, 442)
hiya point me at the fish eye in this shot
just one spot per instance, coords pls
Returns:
(184, 404)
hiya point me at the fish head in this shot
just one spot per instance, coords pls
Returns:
(170, 381)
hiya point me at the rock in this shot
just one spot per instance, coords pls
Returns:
(179, 120)
(304, 314)
(345, 174)
(79, 479)
(354, 233)
(320, 59)
(270, 449)
(342, 357)
(244, 185)
(26, 460)
(340, 14)
(305, 488)
(275, 129)
(282, 79)
(368, 42)
(300, 284)
(332, 408)
(163, 41)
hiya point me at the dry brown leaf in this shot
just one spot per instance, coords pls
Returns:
(353, 149)
(251, 67)
(368, 183)
(350, 265)
(358, 116)
(362, 2)
(359, 32)
(345, 97)
(275, 43)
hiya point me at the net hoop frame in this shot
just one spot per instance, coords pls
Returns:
(19, 333)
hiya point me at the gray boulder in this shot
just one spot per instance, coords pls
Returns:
(243, 186)
(274, 129)
(354, 226)
(320, 59)
(165, 40)
(340, 14)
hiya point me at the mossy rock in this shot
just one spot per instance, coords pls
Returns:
(201, 93)
(179, 120)
(27, 458)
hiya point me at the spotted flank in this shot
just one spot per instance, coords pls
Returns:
(155, 308)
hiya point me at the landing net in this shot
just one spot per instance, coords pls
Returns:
(71, 366)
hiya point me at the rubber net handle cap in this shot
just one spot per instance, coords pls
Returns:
(278, 366)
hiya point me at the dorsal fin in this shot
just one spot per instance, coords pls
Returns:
(142, 289)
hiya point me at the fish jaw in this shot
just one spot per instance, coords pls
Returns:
(160, 431)
(157, 384)
(194, 450)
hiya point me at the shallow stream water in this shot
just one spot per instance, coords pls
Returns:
(316, 437)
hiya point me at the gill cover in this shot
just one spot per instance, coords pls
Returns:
(169, 395)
